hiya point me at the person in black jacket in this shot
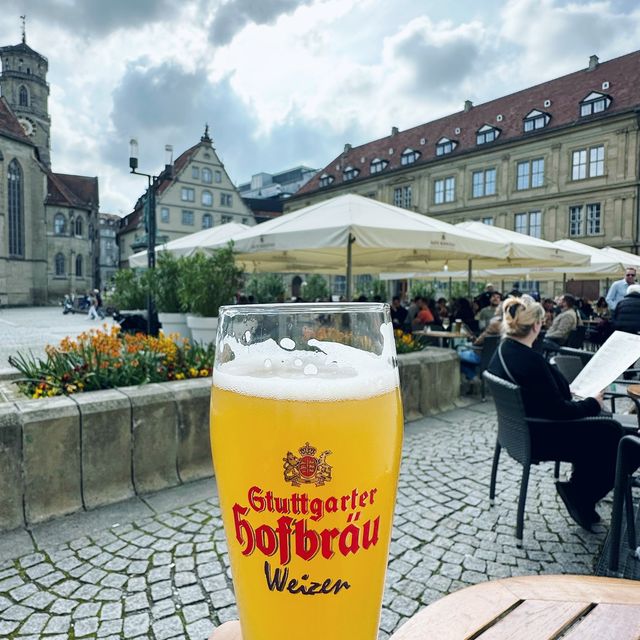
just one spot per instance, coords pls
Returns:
(626, 315)
(545, 393)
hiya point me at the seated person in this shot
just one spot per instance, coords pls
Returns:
(626, 315)
(470, 358)
(398, 313)
(486, 313)
(563, 324)
(591, 448)
(423, 317)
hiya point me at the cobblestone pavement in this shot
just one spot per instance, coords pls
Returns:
(33, 328)
(158, 567)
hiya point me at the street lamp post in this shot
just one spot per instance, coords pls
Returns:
(150, 204)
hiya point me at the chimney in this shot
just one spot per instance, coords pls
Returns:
(593, 62)
(394, 131)
(468, 105)
(168, 155)
(347, 147)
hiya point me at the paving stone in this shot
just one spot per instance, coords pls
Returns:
(200, 629)
(194, 612)
(189, 595)
(137, 625)
(39, 600)
(16, 612)
(58, 624)
(85, 627)
(168, 628)
(24, 591)
(110, 627)
(86, 610)
(136, 602)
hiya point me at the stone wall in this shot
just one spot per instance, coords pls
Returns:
(66, 454)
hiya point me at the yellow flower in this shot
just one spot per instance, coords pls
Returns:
(193, 372)
(180, 376)
(204, 373)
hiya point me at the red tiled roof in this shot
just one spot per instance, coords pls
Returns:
(565, 94)
(181, 161)
(9, 124)
(72, 191)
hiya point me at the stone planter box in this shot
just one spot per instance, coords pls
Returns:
(66, 454)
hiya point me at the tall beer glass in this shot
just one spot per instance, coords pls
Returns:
(306, 434)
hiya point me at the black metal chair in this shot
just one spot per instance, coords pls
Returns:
(568, 366)
(514, 434)
(489, 346)
(627, 464)
(583, 354)
(576, 338)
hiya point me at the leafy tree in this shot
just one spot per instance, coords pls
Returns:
(166, 282)
(130, 289)
(315, 288)
(423, 289)
(266, 287)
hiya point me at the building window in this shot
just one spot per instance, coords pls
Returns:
(206, 175)
(444, 190)
(195, 172)
(444, 146)
(164, 214)
(488, 220)
(79, 266)
(483, 183)
(78, 229)
(326, 180)
(207, 198)
(16, 214)
(529, 223)
(218, 175)
(594, 103)
(226, 200)
(207, 221)
(59, 224)
(535, 120)
(224, 219)
(59, 264)
(349, 173)
(378, 165)
(187, 217)
(530, 174)
(585, 220)
(487, 133)
(587, 163)
(402, 197)
(188, 194)
(23, 96)
(409, 156)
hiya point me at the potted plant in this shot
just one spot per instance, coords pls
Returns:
(208, 282)
(166, 283)
(130, 290)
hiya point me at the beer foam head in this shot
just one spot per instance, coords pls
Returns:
(322, 371)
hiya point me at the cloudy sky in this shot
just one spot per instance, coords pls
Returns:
(287, 82)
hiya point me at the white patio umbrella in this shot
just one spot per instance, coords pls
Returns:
(356, 234)
(199, 241)
(603, 263)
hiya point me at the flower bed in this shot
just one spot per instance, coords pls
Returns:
(107, 359)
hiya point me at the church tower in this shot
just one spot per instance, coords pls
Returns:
(24, 86)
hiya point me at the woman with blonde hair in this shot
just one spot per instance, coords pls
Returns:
(545, 393)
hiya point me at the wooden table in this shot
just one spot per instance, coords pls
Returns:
(532, 608)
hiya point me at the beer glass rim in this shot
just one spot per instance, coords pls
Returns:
(304, 307)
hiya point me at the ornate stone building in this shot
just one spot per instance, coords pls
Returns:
(192, 193)
(557, 160)
(48, 221)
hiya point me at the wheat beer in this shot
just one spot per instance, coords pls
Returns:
(306, 446)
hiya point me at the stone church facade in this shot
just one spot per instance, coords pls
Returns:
(48, 221)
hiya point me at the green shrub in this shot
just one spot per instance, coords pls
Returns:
(315, 288)
(266, 287)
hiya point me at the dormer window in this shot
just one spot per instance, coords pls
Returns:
(535, 120)
(487, 133)
(409, 156)
(350, 173)
(378, 165)
(326, 180)
(595, 102)
(445, 145)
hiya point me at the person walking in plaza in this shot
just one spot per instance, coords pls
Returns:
(563, 324)
(92, 314)
(591, 448)
(626, 316)
(618, 289)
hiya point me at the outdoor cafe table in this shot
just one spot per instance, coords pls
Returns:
(542, 607)
(441, 335)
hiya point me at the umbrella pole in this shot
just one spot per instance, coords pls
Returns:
(564, 283)
(469, 278)
(350, 241)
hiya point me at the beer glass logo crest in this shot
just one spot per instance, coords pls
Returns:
(307, 469)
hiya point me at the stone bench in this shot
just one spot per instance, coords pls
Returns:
(66, 454)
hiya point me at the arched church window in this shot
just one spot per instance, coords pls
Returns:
(79, 226)
(23, 96)
(79, 266)
(16, 209)
(59, 224)
(59, 264)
